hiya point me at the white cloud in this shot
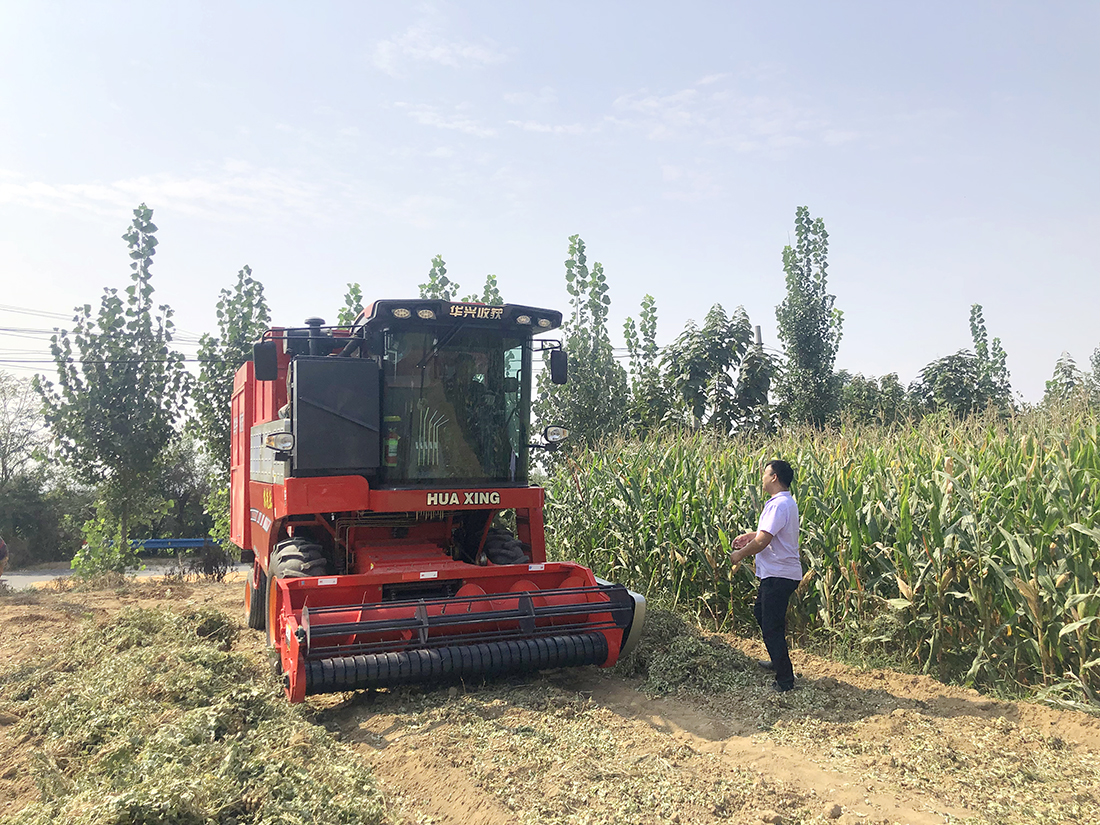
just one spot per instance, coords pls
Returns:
(421, 43)
(233, 192)
(236, 190)
(689, 185)
(837, 136)
(534, 126)
(457, 121)
(544, 97)
(714, 111)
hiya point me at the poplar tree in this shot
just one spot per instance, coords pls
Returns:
(243, 317)
(809, 326)
(593, 404)
(119, 393)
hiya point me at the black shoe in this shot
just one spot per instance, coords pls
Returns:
(766, 664)
(779, 687)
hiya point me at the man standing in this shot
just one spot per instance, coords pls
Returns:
(775, 546)
(3, 556)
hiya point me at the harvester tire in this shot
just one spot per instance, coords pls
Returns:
(292, 559)
(298, 558)
(256, 599)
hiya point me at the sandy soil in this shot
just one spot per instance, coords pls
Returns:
(587, 746)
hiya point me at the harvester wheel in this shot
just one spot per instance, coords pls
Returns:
(255, 598)
(298, 558)
(292, 559)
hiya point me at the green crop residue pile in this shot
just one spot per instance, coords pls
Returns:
(153, 719)
(674, 655)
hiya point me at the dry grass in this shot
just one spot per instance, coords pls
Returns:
(153, 718)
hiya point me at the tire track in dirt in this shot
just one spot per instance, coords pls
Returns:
(847, 747)
(416, 748)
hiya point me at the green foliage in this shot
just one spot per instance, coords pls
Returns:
(650, 400)
(119, 386)
(154, 719)
(32, 503)
(982, 537)
(993, 379)
(438, 285)
(20, 427)
(872, 401)
(243, 317)
(353, 305)
(186, 478)
(809, 326)
(717, 378)
(967, 382)
(1093, 380)
(643, 349)
(106, 547)
(490, 293)
(1066, 382)
(594, 402)
(216, 507)
(949, 384)
(442, 288)
(40, 516)
(103, 550)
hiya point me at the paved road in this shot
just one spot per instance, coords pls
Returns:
(22, 579)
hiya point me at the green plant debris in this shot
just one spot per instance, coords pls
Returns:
(674, 655)
(552, 754)
(153, 718)
(1010, 774)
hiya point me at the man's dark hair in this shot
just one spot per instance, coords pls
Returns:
(783, 471)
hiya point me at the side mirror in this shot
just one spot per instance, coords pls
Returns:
(265, 357)
(559, 366)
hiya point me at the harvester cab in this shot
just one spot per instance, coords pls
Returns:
(379, 486)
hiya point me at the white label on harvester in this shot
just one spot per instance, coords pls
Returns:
(326, 581)
(536, 567)
(429, 574)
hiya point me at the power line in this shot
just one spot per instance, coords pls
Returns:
(27, 311)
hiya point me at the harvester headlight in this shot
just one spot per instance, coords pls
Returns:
(426, 314)
(401, 312)
(280, 442)
(523, 319)
(544, 323)
(555, 434)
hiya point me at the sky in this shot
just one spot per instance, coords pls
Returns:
(950, 148)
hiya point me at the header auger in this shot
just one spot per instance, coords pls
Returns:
(379, 487)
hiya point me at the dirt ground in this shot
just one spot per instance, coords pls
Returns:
(588, 746)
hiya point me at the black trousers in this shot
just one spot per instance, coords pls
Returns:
(770, 610)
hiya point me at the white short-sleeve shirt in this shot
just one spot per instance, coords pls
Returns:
(780, 558)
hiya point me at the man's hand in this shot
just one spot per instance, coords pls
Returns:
(749, 544)
(742, 540)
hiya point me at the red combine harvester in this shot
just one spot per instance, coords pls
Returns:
(380, 489)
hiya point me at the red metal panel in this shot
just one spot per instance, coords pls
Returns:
(261, 516)
(531, 531)
(241, 409)
(327, 494)
(441, 498)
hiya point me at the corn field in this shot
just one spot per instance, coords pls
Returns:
(971, 547)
